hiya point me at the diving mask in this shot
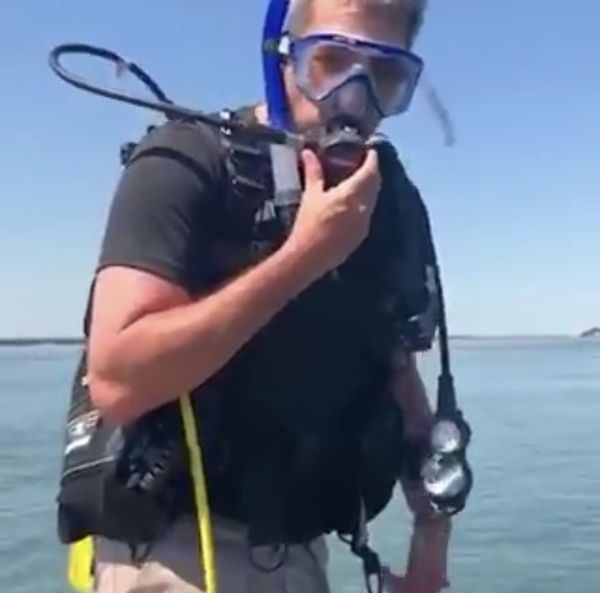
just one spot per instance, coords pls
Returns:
(355, 82)
(351, 75)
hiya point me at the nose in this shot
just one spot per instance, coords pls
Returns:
(353, 97)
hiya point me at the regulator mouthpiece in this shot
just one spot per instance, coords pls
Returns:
(341, 151)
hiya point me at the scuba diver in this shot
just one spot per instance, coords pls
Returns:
(293, 323)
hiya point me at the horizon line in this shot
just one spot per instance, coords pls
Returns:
(456, 336)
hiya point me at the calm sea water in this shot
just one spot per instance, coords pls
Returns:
(533, 523)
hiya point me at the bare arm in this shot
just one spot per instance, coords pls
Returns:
(428, 555)
(410, 393)
(150, 342)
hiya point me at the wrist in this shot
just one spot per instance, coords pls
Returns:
(427, 568)
(424, 515)
(301, 261)
(430, 520)
(423, 580)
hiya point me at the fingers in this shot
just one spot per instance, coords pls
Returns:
(314, 179)
(366, 181)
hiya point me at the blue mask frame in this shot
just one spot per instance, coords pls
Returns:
(272, 61)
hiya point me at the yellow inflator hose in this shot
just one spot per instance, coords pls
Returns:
(81, 553)
(205, 533)
(79, 565)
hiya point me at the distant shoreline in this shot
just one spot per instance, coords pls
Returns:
(70, 341)
(40, 341)
(512, 337)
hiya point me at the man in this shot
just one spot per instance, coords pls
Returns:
(166, 321)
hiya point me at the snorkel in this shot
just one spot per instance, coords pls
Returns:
(341, 150)
(284, 159)
(275, 96)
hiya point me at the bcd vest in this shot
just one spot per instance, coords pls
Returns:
(301, 434)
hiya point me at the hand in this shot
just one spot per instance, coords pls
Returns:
(427, 563)
(331, 224)
(403, 584)
(417, 500)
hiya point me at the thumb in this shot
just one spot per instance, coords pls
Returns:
(313, 171)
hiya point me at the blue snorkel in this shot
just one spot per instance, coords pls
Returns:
(274, 88)
(341, 151)
(284, 159)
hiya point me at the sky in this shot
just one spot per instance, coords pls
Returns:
(515, 204)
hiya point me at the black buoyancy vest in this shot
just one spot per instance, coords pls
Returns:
(299, 431)
(304, 430)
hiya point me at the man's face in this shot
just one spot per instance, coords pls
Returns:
(346, 17)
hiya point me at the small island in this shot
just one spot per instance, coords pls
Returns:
(593, 332)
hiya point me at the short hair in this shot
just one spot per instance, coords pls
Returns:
(299, 13)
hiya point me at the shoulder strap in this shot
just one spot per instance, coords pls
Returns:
(248, 165)
(412, 274)
(248, 186)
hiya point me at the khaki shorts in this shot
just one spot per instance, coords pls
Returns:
(173, 565)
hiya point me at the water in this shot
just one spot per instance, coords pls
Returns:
(533, 523)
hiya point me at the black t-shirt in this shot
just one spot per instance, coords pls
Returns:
(166, 219)
(162, 214)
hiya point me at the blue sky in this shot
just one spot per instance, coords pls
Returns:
(515, 204)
